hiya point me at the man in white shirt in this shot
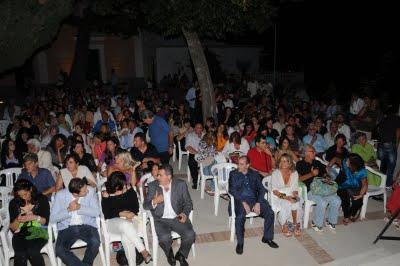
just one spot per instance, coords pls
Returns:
(331, 134)
(44, 157)
(342, 127)
(192, 146)
(227, 101)
(170, 203)
(356, 104)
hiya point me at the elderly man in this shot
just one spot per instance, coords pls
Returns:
(41, 178)
(169, 201)
(314, 139)
(160, 133)
(249, 193)
(192, 146)
(44, 157)
(308, 169)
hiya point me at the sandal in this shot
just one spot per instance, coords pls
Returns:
(297, 230)
(210, 192)
(148, 259)
(346, 221)
(225, 196)
(285, 231)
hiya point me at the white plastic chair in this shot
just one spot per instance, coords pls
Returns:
(6, 242)
(143, 183)
(181, 153)
(174, 236)
(5, 197)
(53, 234)
(374, 191)
(110, 237)
(203, 179)
(3, 126)
(221, 179)
(308, 204)
(11, 175)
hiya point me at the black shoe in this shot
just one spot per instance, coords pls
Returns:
(239, 249)
(171, 258)
(182, 260)
(378, 198)
(194, 186)
(270, 243)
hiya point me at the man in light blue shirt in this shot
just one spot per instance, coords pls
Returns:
(75, 210)
(314, 139)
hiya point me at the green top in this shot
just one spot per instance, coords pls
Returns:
(366, 152)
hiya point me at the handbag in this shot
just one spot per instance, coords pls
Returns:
(319, 187)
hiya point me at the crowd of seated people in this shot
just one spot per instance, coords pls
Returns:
(65, 147)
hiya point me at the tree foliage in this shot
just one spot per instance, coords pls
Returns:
(27, 25)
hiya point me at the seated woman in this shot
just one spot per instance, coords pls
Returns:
(9, 156)
(107, 159)
(28, 211)
(294, 141)
(284, 147)
(353, 185)
(222, 137)
(206, 156)
(235, 147)
(120, 206)
(72, 170)
(84, 158)
(285, 189)
(125, 164)
(58, 149)
(248, 132)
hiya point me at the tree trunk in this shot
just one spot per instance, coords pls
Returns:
(77, 77)
(203, 74)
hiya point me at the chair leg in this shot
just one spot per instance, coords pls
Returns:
(216, 203)
(194, 250)
(188, 175)
(307, 209)
(384, 201)
(51, 255)
(232, 238)
(108, 253)
(251, 220)
(180, 161)
(364, 207)
(102, 257)
(145, 238)
(155, 252)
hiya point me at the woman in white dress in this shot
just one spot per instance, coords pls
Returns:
(285, 195)
(73, 169)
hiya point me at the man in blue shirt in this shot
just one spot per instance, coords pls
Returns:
(41, 178)
(75, 210)
(105, 119)
(161, 135)
(314, 139)
(246, 187)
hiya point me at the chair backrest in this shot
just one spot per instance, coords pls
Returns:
(142, 184)
(267, 185)
(322, 161)
(221, 172)
(3, 127)
(303, 191)
(381, 175)
(11, 175)
(180, 148)
(5, 196)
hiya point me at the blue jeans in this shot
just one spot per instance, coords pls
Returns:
(331, 202)
(387, 153)
(67, 237)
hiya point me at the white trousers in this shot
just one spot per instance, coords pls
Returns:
(129, 237)
(285, 211)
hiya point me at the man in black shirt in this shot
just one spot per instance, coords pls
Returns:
(308, 168)
(142, 151)
(389, 137)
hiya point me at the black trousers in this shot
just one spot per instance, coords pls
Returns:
(194, 168)
(165, 226)
(28, 250)
(350, 206)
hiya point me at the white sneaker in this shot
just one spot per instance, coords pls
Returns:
(331, 226)
(316, 228)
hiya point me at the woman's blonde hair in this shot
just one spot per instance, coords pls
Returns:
(127, 158)
(289, 158)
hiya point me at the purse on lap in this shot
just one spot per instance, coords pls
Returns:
(320, 188)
